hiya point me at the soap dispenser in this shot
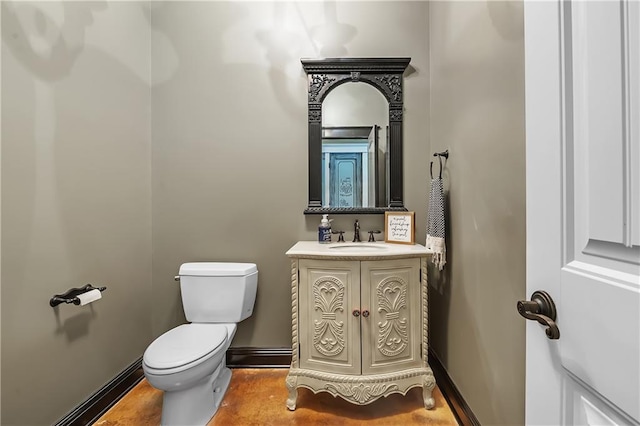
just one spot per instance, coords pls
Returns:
(324, 230)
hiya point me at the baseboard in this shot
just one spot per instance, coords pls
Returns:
(456, 402)
(249, 357)
(103, 399)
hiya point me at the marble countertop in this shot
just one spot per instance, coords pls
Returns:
(358, 251)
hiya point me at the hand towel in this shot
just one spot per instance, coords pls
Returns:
(435, 224)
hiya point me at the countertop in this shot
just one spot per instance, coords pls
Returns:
(356, 251)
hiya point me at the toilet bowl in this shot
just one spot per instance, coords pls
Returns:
(188, 362)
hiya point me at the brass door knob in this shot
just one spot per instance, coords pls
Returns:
(356, 313)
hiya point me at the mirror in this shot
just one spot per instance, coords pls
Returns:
(355, 134)
(355, 119)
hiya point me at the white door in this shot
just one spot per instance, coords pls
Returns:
(583, 209)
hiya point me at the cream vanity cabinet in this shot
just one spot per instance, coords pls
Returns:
(359, 321)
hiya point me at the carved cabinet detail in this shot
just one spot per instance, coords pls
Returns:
(359, 328)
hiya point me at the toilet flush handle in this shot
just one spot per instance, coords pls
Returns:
(177, 278)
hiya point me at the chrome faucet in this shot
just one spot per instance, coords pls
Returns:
(356, 232)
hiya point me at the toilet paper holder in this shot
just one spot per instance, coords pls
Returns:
(71, 295)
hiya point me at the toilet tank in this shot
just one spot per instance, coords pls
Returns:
(217, 292)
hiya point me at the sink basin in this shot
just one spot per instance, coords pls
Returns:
(357, 247)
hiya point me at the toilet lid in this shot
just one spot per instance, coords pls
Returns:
(184, 344)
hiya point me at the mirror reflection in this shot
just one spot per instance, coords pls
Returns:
(354, 147)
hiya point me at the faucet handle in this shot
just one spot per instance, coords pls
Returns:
(371, 237)
(340, 237)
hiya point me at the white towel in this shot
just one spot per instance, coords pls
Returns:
(435, 224)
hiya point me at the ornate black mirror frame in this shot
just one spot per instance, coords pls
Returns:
(324, 75)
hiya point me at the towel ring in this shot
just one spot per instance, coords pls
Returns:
(431, 168)
(444, 154)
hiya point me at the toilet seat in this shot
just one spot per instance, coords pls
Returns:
(184, 347)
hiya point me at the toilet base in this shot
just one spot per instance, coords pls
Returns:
(198, 404)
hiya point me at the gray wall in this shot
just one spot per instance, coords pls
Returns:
(219, 89)
(477, 112)
(76, 199)
(229, 129)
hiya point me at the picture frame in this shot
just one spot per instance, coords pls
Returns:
(399, 227)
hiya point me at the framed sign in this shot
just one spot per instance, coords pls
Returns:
(399, 227)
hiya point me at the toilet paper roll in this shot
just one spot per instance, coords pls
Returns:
(89, 296)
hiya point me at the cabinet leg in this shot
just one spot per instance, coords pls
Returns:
(293, 392)
(428, 384)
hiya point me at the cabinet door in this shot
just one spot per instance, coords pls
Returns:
(392, 333)
(329, 333)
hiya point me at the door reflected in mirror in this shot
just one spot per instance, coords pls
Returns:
(354, 147)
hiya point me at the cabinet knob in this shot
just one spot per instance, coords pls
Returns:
(356, 313)
(365, 314)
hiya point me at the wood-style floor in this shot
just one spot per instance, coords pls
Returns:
(256, 397)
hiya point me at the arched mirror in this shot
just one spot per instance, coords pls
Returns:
(355, 134)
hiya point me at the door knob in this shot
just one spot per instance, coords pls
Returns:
(542, 309)
(356, 313)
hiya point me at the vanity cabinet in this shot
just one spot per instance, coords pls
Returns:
(359, 321)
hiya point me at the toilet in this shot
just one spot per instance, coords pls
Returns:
(189, 362)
